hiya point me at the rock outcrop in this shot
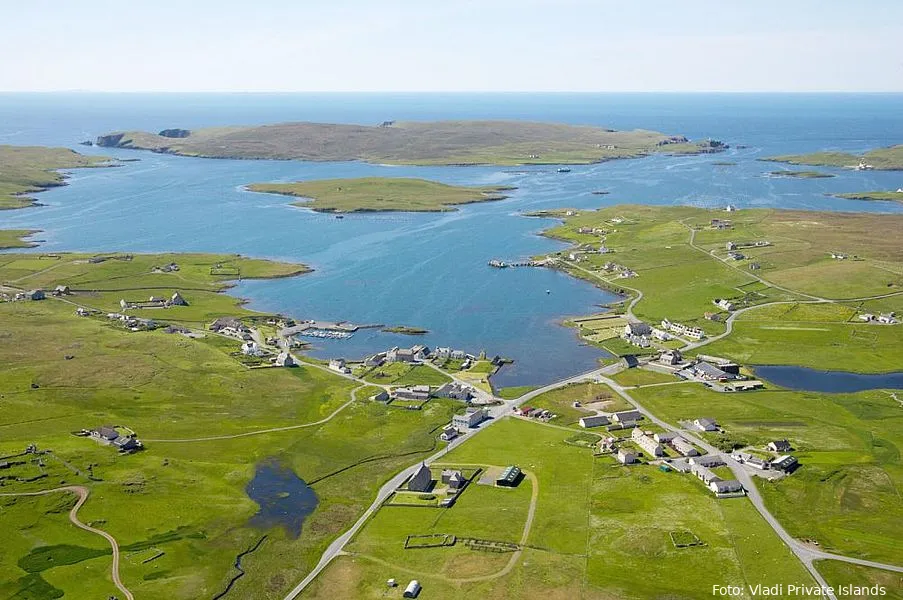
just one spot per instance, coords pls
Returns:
(175, 133)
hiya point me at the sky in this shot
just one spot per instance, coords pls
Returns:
(452, 45)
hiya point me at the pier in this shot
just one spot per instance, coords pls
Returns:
(501, 264)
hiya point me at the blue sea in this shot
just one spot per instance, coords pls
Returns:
(429, 270)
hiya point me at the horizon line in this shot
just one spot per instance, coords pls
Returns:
(250, 92)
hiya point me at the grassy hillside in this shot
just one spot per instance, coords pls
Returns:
(179, 509)
(679, 279)
(426, 143)
(373, 194)
(28, 169)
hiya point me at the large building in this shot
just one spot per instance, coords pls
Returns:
(421, 480)
(455, 391)
(510, 477)
(596, 421)
(649, 445)
(471, 418)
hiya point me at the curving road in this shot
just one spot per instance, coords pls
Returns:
(82, 493)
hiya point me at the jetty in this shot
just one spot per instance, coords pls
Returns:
(501, 264)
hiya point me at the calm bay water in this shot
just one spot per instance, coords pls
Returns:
(812, 380)
(429, 270)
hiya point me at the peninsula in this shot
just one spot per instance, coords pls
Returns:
(28, 169)
(415, 143)
(878, 196)
(380, 194)
(881, 159)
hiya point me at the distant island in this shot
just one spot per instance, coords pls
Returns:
(801, 174)
(874, 196)
(380, 194)
(881, 159)
(28, 169)
(415, 143)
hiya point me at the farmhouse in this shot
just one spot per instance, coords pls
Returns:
(626, 457)
(707, 460)
(412, 354)
(61, 290)
(751, 460)
(455, 391)
(471, 418)
(671, 357)
(595, 421)
(626, 415)
(729, 486)
(251, 349)
(779, 446)
(680, 329)
(785, 463)
(647, 443)
(448, 434)
(453, 478)
(381, 396)
(417, 392)
(510, 477)
(285, 360)
(684, 447)
(636, 329)
(705, 424)
(35, 294)
(724, 304)
(421, 480)
(376, 360)
(338, 365)
(710, 372)
(177, 300)
(704, 474)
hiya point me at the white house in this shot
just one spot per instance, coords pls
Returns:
(338, 365)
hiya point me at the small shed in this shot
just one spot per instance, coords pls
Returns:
(413, 589)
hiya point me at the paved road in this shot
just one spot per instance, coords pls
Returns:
(806, 554)
(82, 493)
(496, 412)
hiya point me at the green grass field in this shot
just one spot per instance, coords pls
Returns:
(183, 495)
(28, 169)
(845, 493)
(13, 238)
(599, 531)
(379, 194)
(561, 402)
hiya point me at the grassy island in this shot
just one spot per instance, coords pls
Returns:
(801, 174)
(884, 159)
(28, 169)
(421, 143)
(380, 194)
(873, 196)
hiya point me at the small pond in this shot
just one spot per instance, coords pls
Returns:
(285, 499)
(812, 380)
